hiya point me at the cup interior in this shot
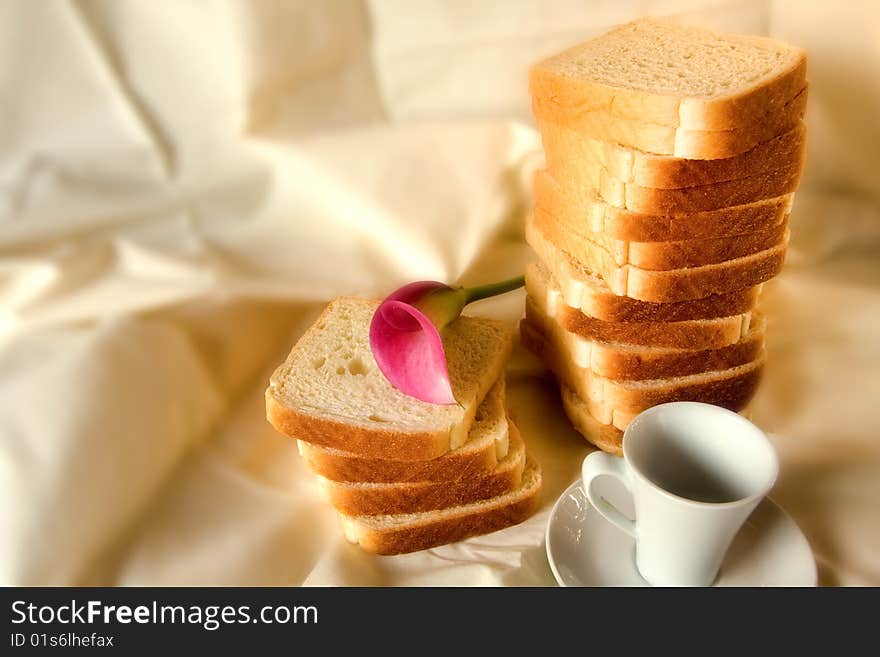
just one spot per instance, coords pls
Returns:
(701, 453)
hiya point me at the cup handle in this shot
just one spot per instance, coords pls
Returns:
(600, 463)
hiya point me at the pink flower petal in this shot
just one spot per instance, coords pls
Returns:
(407, 346)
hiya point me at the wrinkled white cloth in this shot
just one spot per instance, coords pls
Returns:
(183, 186)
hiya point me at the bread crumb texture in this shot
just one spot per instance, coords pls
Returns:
(670, 59)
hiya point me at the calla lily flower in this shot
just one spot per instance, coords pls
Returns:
(405, 334)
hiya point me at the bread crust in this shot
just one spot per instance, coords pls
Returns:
(649, 285)
(701, 198)
(731, 391)
(415, 497)
(623, 351)
(689, 334)
(478, 456)
(564, 98)
(683, 254)
(661, 139)
(749, 186)
(623, 362)
(732, 388)
(596, 300)
(585, 210)
(720, 144)
(606, 437)
(567, 152)
(696, 282)
(338, 465)
(633, 366)
(615, 258)
(432, 531)
(372, 442)
(609, 307)
(661, 256)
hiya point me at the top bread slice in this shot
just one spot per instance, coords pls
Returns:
(330, 391)
(669, 74)
(487, 444)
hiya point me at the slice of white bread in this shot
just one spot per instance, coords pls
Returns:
(330, 391)
(662, 72)
(398, 534)
(589, 294)
(701, 198)
(606, 437)
(682, 200)
(631, 362)
(661, 256)
(713, 333)
(568, 152)
(360, 498)
(650, 285)
(582, 207)
(657, 256)
(487, 444)
(752, 186)
(689, 144)
(616, 402)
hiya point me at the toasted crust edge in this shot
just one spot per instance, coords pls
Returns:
(603, 305)
(606, 437)
(416, 497)
(378, 443)
(670, 285)
(610, 362)
(591, 213)
(464, 524)
(729, 390)
(565, 152)
(346, 466)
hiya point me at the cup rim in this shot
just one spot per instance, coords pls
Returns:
(774, 474)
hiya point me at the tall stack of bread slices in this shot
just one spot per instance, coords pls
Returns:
(672, 157)
(405, 475)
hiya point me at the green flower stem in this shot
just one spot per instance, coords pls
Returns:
(445, 305)
(493, 289)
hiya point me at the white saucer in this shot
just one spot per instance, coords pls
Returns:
(584, 549)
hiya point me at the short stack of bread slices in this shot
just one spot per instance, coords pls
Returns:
(673, 154)
(405, 475)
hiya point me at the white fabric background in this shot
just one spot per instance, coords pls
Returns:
(184, 185)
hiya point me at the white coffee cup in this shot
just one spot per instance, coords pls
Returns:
(695, 472)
